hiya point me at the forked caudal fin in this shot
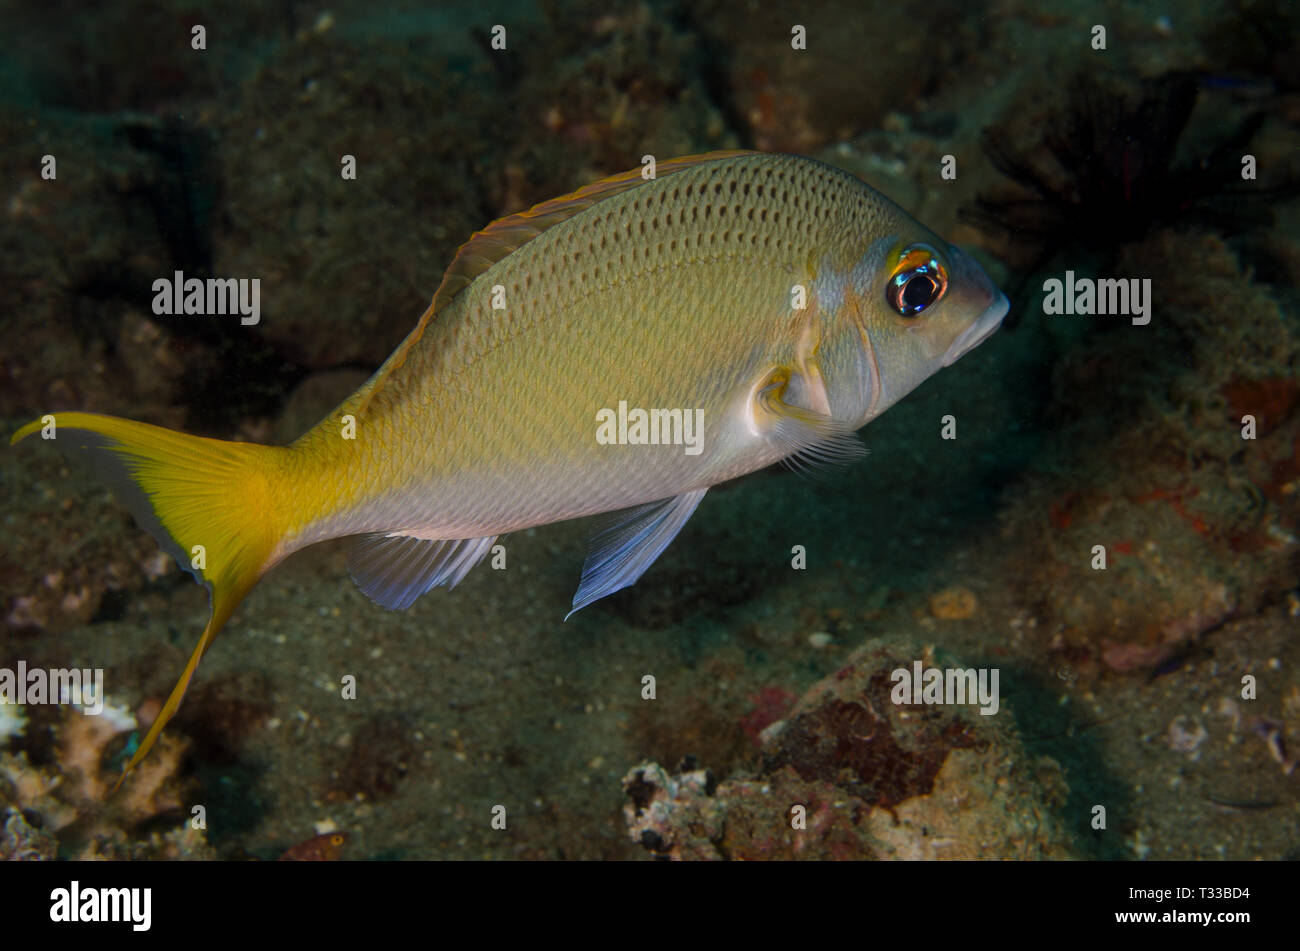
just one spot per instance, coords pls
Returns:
(208, 503)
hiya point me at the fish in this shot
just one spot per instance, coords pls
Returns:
(753, 307)
(326, 847)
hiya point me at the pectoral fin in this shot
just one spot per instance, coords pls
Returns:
(622, 550)
(808, 438)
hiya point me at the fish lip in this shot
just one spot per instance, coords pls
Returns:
(979, 331)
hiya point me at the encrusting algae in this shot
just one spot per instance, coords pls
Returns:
(749, 308)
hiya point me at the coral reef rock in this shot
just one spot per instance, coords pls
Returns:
(850, 774)
(64, 809)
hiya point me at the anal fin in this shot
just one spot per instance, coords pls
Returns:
(622, 550)
(393, 570)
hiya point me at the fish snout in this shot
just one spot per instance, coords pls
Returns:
(979, 331)
(969, 274)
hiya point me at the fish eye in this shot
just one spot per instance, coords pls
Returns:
(919, 280)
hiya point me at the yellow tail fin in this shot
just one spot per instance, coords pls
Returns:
(209, 503)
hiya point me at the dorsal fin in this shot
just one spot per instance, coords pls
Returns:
(505, 235)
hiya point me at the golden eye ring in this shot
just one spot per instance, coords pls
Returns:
(918, 282)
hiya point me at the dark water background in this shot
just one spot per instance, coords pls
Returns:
(1121, 688)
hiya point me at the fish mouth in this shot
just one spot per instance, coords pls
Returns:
(979, 331)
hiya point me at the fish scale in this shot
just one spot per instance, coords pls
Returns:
(669, 294)
(594, 281)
